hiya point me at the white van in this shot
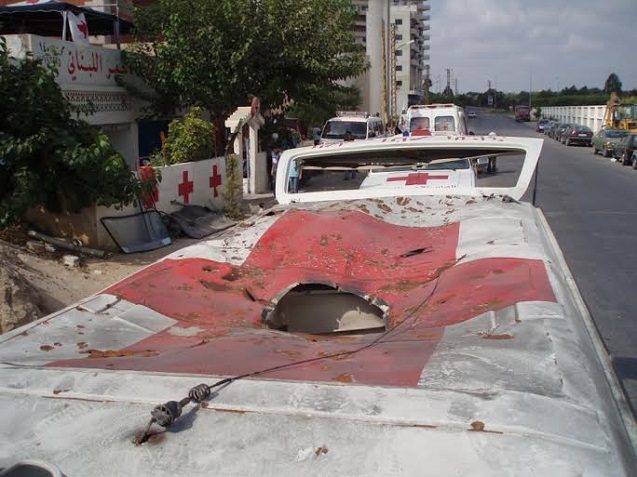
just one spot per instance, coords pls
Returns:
(435, 118)
(360, 124)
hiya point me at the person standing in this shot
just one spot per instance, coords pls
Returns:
(293, 185)
(491, 168)
(276, 155)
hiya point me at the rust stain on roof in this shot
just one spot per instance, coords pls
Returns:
(344, 378)
(321, 450)
(46, 348)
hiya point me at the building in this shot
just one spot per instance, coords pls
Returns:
(394, 80)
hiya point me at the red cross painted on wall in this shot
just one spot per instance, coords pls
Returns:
(185, 188)
(420, 178)
(215, 180)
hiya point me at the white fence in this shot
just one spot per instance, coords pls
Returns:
(591, 116)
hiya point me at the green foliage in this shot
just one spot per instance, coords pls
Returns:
(189, 139)
(232, 191)
(214, 53)
(47, 157)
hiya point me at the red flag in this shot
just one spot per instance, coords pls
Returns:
(79, 28)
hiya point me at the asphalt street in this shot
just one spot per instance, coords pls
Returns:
(590, 203)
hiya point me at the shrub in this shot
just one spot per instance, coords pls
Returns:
(47, 157)
(190, 138)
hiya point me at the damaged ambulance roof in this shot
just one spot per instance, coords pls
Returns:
(389, 336)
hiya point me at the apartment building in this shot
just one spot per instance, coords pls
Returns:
(396, 37)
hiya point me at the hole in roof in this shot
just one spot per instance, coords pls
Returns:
(317, 308)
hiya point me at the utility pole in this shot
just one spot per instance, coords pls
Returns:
(384, 105)
(427, 81)
(392, 43)
(448, 88)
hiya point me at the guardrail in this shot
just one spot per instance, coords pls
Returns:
(591, 116)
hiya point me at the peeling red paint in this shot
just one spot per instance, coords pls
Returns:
(477, 426)
(46, 348)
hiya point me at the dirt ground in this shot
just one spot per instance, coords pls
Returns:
(28, 268)
(35, 282)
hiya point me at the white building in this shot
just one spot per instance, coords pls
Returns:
(393, 80)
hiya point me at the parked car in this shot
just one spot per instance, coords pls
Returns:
(539, 127)
(577, 134)
(605, 140)
(554, 129)
(625, 147)
(560, 131)
(548, 126)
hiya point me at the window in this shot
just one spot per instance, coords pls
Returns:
(399, 83)
(419, 123)
(399, 52)
(398, 21)
(444, 123)
(399, 37)
(399, 67)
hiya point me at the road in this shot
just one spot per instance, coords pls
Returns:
(590, 203)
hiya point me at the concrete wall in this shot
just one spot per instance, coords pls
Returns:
(591, 116)
(194, 183)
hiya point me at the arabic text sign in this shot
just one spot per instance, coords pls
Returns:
(85, 65)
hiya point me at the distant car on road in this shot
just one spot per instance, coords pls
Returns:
(540, 125)
(472, 115)
(522, 113)
(606, 139)
(577, 134)
(624, 149)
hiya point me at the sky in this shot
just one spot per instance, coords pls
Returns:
(532, 44)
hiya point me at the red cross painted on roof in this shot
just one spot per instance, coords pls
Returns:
(426, 291)
(419, 178)
(215, 180)
(186, 188)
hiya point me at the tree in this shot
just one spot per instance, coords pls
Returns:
(190, 138)
(46, 156)
(612, 84)
(214, 53)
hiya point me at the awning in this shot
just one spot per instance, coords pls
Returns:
(44, 17)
